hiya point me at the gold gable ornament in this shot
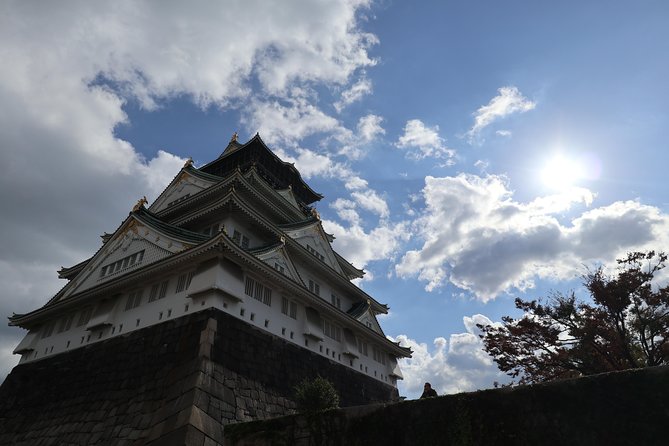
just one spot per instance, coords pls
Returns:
(189, 162)
(140, 203)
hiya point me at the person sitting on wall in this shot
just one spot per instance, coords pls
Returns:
(428, 391)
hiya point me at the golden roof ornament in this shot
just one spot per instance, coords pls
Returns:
(234, 137)
(315, 214)
(140, 203)
(189, 162)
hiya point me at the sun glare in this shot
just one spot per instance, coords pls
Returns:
(561, 172)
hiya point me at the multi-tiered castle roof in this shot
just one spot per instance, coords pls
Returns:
(237, 234)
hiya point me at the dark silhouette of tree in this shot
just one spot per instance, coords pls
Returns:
(626, 325)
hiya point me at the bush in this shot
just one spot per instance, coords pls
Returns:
(316, 395)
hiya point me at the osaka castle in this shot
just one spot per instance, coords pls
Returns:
(225, 286)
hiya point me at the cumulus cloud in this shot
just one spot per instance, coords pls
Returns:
(361, 246)
(424, 142)
(509, 100)
(354, 93)
(369, 127)
(453, 365)
(481, 240)
(289, 120)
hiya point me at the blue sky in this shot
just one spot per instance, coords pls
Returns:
(468, 152)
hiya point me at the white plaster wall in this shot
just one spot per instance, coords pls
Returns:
(268, 318)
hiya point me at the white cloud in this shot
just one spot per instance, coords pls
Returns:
(354, 93)
(509, 100)
(369, 127)
(361, 247)
(288, 121)
(346, 211)
(371, 201)
(506, 133)
(453, 365)
(481, 240)
(426, 140)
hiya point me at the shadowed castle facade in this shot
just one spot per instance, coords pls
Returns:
(227, 279)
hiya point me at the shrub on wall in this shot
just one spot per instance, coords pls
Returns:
(316, 395)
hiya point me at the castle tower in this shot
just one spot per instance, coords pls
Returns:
(205, 308)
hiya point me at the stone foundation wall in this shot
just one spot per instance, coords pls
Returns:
(175, 383)
(623, 408)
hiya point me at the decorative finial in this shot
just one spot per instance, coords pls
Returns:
(140, 203)
(282, 239)
(189, 162)
(315, 214)
(234, 137)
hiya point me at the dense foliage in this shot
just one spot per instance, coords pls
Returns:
(316, 395)
(626, 325)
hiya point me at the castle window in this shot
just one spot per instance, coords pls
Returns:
(184, 281)
(315, 253)
(331, 330)
(289, 307)
(258, 291)
(122, 263)
(66, 323)
(379, 356)
(211, 230)
(314, 287)
(134, 300)
(84, 316)
(178, 200)
(153, 294)
(335, 301)
(362, 347)
(158, 290)
(48, 330)
(181, 283)
(267, 297)
(240, 239)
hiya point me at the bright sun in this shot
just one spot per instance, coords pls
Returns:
(561, 173)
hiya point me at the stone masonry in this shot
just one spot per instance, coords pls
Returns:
(176, 383)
